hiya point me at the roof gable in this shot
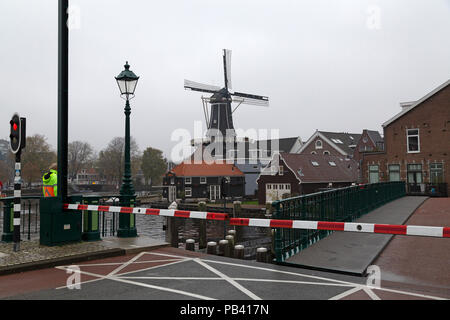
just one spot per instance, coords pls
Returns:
(416, 103)
(206, 170)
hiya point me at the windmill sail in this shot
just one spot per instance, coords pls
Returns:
(227, 68)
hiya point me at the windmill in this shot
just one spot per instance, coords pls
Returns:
(220, 118)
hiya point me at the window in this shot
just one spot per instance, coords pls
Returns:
(313, 152)
(269, 186)
(318, 144)
(188, 180)
(300, 173)
(203, 180)
(337, 141)
(172, 180)
(413, 142)
(288, 187)
(414, 173)
(326, 152)
(394, 172)
(373, 174)
(188, 192)
(332, 163)
(281, 170)
(436, 173)
(315, 163)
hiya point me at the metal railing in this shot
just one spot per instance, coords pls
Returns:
(29, 218)
(342, 205)
(428, 189)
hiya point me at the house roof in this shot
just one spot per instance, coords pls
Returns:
(319, 168)
(284, 144)
(416, 103)
(341, 141)
(206, 170)
(375, 136)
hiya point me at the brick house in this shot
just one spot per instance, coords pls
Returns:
(370, 141)
(202, 181)
(331, 143)
(417, 145)
(297, 174)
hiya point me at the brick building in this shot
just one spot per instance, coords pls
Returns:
(299, 174)
(417, 145)
(331, 143)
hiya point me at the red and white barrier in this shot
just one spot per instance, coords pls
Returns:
(440, 232)
(150, 211)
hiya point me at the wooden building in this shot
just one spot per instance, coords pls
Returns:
(203, 181)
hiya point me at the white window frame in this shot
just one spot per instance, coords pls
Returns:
(315, 163)
(187, 180)
(326, 152)
(415, 135)
(332, 163)
(203, 181)
(188, 192)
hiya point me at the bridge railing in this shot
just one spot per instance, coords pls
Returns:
(341, 205)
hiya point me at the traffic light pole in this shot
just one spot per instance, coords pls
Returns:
(63, 97)
(17, 200)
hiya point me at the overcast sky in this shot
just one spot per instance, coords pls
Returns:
(324, 64)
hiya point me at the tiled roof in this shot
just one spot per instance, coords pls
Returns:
(284, 144)
(206, 170)
(375, 136)
(346, 138)
(315, 168)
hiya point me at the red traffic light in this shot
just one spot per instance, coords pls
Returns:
(15, 126)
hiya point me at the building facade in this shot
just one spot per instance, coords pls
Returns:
(417, 145)
(291, 174)
(203, 182)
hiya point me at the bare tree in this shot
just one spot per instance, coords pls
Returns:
(36, 158)
(80, 155)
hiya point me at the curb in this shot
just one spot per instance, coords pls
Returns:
(50, 263)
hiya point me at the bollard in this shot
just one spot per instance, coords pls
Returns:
(239, 251)
(211, 247)
(172, 230)
(190, 244)
(202, 227)
(230, 239)
(232, 232)
(261, 254)
(224, 248)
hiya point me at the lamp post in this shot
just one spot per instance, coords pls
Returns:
(127, 82)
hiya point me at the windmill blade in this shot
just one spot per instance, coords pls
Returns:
(252, 97)
(227, 68)
(255, 102)
(197, 86)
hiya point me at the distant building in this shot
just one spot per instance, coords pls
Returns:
(202, 181)
(370, 141)
(4, 149)
(87, 176)
(331, 143)
(417, 145)
(299, 174)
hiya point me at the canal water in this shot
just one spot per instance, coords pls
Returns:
(154, 227)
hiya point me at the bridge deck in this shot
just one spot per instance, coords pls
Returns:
(352, 253)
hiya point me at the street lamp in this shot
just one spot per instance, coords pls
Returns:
(127, 82)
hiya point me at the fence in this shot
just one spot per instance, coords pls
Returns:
(341, 205)
(29, 215)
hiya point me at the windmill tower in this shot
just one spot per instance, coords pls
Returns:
(219, 115)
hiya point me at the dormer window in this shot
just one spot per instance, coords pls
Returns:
(319, 144)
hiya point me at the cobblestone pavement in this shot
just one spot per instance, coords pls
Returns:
(31, 251)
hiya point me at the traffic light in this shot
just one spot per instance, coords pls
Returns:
(17, 133)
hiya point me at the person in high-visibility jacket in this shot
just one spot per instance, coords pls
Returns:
(50, 186)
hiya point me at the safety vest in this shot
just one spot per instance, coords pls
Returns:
(50, 183)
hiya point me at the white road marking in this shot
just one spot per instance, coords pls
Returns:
(229, 280)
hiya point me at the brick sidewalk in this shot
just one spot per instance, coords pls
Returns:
(419, 263)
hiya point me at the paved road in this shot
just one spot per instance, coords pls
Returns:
(176, 274)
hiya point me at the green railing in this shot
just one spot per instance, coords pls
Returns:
(344, 204)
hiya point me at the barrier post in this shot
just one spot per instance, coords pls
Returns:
(202, 242)
(91, 231)
(172, 230)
